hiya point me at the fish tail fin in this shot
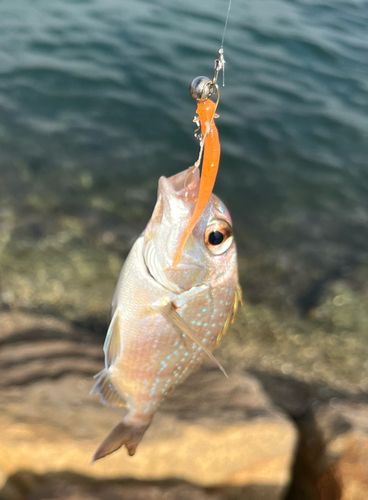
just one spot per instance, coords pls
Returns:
(128, 432)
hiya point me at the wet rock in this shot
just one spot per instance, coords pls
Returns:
(210, 431)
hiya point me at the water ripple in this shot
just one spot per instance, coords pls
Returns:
(86, 84)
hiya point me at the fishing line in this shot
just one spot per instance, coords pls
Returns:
(221, 51)
(225, 27)
(202, 87)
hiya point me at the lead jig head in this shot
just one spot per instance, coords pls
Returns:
(201, 88)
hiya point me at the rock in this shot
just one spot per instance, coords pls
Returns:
(331, 459)
(344, 427)
(210, 431)
(69, 486)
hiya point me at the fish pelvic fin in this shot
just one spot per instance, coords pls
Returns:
(128, 432)
(112, 346)
(170, 313)
(109, 395)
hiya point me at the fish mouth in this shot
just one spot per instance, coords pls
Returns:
(175, 203)
(184, 185)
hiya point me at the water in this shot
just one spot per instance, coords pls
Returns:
(94, 104)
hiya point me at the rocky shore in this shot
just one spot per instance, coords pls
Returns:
(258, 435)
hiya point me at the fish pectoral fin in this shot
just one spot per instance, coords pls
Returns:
(170, 313)
(112, 346)
(190, 295)
(109, 395)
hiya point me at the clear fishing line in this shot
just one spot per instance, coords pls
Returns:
(223, 40)
(226, 21)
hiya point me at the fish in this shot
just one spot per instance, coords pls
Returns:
(165, 319)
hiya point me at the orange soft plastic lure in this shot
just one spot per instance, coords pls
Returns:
(206, 115)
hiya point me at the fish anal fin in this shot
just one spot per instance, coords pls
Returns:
(112, 346)
(170, 313)
(109, 395)
(128, 432)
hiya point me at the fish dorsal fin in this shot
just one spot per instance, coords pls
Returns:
(104, 387)
(169, 312)
(238, 300)
(112, 346)
(232, 313)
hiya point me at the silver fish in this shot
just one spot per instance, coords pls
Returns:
(165, 320)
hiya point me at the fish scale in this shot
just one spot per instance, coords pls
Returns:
(166, 319)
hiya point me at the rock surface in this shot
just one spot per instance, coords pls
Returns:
(68, 486)
(344, 428)
(331, 461)
(210, 431)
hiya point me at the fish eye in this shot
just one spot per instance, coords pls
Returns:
(218, 237)
(215, 238)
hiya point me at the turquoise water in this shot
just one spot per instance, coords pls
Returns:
(94, 94)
